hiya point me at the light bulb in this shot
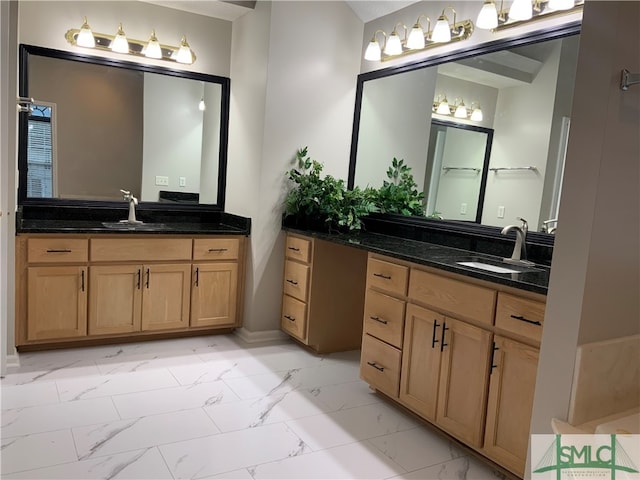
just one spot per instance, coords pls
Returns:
(443, 108)
(561, 4)
(153, 49)
(201, 105)
(85, 36)
(520, 10)
(476, 114)
(416, 38)
(488, 16)
(373, 52)
(442, 31)
(393, 45)
(461, 111)
(119, 43)
(184, 52)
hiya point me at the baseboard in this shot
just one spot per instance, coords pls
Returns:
(260, 336)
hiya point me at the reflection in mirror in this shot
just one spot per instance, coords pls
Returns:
(457, 162)
(112, 126)
(525, 93)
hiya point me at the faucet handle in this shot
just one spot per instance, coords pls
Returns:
(525, 225)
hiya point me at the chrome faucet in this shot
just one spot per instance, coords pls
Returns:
(547, 228)
(133, 201)
(519, 255)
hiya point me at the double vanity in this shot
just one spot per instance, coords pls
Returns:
(450, 334)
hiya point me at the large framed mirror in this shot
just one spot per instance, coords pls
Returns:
(98, 126)
(524, 89)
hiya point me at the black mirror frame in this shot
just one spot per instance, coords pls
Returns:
(560, 31)
(26, 50)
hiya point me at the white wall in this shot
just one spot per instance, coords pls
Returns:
(522, 131)
(8, 132)
(310, 94)
(172, 134)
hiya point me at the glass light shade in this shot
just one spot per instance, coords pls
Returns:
(561, 4)
(184, 52)
(442, 31)
(488, 16)
(119, 43)
(373, 52)
(461, 111)
(476, 115)
(153, 49)
(416, 38)
(85, 36)
(520, 10)
(394, 45)
(443, 108)
(201, 105)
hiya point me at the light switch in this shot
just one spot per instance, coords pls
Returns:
(463, 209)
(183, 181)
(501, 211)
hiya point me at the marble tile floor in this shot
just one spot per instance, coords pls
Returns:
(211, 408)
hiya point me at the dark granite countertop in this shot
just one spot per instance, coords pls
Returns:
(533, 279)
(94, 226)
(107, 220)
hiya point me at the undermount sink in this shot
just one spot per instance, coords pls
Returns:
(135, 226)
(496, 266)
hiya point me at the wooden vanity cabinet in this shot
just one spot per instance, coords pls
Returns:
(468, 354)
(54, 273)
(323, 293)
(214, 291)
(77, 287)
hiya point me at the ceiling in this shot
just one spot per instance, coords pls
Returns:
(230, 10)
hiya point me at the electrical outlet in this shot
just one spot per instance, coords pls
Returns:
(163, 181)
(463, 209)
(183, 181)
(501, 211)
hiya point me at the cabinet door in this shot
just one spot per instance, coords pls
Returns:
(56, 302)
(115, 299)
(511, 387)
(462, 394)
(214, 294)
(421, 358)
(165, 296)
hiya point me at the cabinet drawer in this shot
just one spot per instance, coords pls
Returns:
(520, 316)
(57, 250)
(380, 365)
(140, 249)
(384, 317)
(298, 248)
(296, 280)
(387, 276)
(216, 248)
(294, 316)
(459, 298)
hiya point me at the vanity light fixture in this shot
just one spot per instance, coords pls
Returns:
(417, 39)
(86, 38)
(458, 110)
(522, 11)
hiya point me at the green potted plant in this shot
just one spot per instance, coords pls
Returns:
(324, 202)
(400, 193)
